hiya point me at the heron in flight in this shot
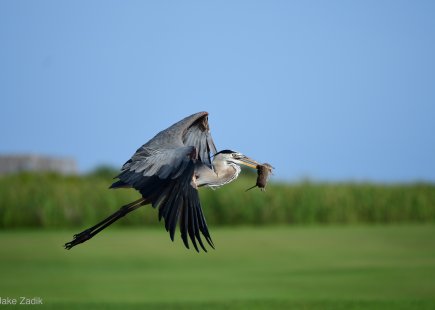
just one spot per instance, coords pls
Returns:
(167, 171)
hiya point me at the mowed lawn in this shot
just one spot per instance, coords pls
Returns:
(349, 267)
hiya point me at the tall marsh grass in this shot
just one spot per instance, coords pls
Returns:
(50, 200)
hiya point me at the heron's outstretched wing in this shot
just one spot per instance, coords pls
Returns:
(190, 131)
(169, 186)
(162, 170)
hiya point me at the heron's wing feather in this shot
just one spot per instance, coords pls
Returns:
(179, 203)
(164, 163)
(165, 178)
(199, 136)
(190, 131)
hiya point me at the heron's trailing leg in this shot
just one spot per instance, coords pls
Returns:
(92, 231)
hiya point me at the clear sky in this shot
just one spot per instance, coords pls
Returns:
(329, 90)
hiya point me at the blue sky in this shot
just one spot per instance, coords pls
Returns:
(327, 90)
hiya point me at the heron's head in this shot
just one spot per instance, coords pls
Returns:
(233, 157)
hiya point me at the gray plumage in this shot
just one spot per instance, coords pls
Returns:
(167, 171)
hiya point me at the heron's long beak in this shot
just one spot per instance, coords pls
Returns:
(248, 162)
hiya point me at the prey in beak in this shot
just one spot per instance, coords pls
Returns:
(263, 174)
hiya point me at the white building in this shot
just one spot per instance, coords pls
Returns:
(36, 163)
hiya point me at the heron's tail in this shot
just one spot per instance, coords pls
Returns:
(92, 231)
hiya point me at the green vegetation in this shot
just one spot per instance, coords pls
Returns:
(49, 200)
(262, 267)
(314, 267)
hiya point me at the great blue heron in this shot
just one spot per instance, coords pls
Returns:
(167, 171)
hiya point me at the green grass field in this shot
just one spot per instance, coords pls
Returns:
(348, 267)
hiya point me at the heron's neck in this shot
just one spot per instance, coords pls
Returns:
(225, 173)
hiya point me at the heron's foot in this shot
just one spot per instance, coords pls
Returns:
(78, 238)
